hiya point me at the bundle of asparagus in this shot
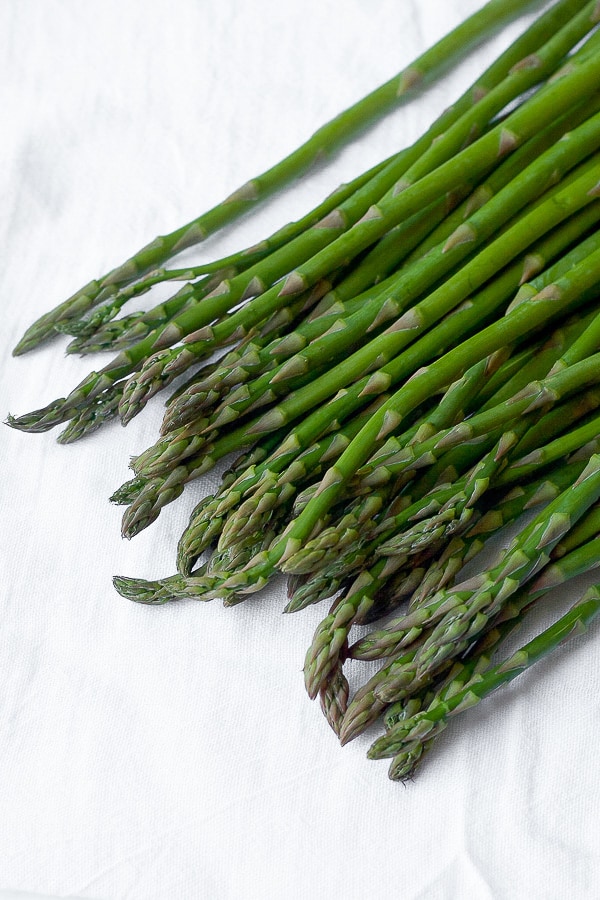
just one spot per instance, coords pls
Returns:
(403, 372)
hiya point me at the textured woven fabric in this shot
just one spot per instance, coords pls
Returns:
(166, 753)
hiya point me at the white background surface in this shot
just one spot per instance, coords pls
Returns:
(171, 752)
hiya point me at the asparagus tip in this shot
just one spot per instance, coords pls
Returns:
(141, 591)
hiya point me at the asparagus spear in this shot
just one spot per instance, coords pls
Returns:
(408, 736)
(527, 554)
(343, 300)
(537, 394)
(184, 442)
(463, 673)
(552, 98)
(404, 676)
(582, 437)
(418, 388)
(433, 172)
(328, 138)
(400, 631)
(97, 332)
(334, 695)
(361, 391)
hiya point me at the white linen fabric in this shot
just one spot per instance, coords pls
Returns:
(161, 753)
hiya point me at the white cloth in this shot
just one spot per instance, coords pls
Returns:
(161, 753)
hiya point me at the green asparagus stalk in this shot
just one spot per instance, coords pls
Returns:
(342, 301)
(158, 460)
(402, 630)
(528, 553)
(558, 421)
(403, 366)
(93, 416)
(404, 677)
(97, 332)
(553, 97)
(326, 140)
(562, 446)
(459, 678)
(334, 695)
(207, 517)
(428, 723)
(431, 175)
(543, 393)
(420, 386)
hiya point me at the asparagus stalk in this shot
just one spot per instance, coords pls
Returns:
(528, 553)
(343, 300)
(326, 140)
(158, 460)
(537, 394)
(402, 630)
(358, 394)
(463, 673)
(97, 332)
(405, 675)
(334, 695)
(432, 174)
(417, 389)
(406, 737)
(553, 99)
(583, 437)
